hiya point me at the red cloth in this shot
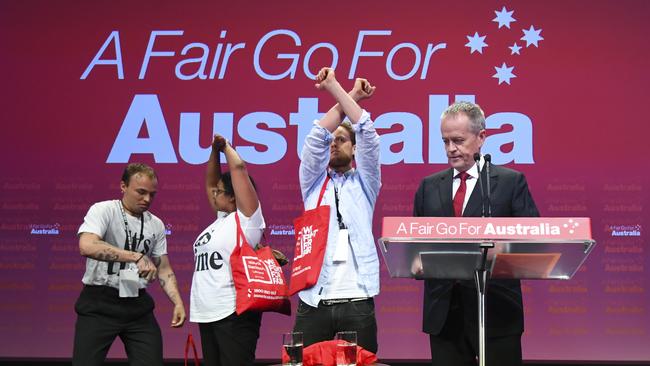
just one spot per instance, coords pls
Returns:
(324, 353)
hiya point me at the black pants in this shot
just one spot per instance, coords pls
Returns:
(321, 323)
(457, 343)
(102, 315)
(231, 341)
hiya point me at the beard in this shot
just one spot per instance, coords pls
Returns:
(340, 161)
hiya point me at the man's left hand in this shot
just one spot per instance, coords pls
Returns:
(178, 317)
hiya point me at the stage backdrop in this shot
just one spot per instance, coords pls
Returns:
(88, 86)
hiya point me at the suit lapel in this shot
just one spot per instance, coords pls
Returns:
(445, 191)
(473, 208)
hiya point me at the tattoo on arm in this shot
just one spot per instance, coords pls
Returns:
(156, 261)
(171, 278)
(107, 255)
(170, 286)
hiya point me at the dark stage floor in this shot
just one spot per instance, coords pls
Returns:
(44, 362)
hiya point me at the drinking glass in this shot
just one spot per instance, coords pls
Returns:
(292, 343)
(346, 348)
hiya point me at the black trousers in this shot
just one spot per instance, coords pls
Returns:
(322, 323)
(231, 341)
(457, 343)
(102, 315)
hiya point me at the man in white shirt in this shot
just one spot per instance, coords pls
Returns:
(125, 248)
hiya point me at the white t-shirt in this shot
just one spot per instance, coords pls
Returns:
(213, 291)
(105, 219)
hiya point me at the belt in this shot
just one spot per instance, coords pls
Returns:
(96, 289)
(342, 301)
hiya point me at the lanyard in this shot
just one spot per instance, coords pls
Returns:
(336, 200)
(133, 246)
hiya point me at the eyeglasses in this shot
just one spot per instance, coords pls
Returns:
(219, 191)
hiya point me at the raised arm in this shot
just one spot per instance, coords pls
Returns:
(213, 174)
(346, 102)
(245, 194)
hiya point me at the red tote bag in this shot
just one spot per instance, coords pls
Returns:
(259, 281)
(311, 239)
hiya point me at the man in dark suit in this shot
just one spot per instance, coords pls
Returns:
(450, 307)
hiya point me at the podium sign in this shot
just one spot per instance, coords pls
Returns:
(452, 247)
(482, 248)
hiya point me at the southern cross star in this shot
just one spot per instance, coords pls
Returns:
(504, 17)
(504, 73)
(531, 36)
(476, 43)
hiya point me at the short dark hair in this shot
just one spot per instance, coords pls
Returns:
(226, 178)
(137, 168)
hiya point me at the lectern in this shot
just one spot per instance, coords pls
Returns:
(481, 248)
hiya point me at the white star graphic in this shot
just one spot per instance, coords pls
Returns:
(504, 17)
(515, 49)
(531, 36)
(476, 43)
(504, 73)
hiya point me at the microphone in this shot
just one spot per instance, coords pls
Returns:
(488, 162)
(477, 159)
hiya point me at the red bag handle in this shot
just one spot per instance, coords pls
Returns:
(241, 239)
(188, 343)
(322, 190)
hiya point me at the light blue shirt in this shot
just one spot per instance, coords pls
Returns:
(357, 197)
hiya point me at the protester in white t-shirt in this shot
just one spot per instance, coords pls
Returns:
(125, 248)
(226, 338)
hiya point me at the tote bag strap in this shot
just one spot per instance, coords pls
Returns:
(188, 343)
(322, 190)
(241, 239)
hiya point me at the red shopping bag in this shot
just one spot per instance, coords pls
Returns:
(311, 239)
(259, 281)
(190, 343)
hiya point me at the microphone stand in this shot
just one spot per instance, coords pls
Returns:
(479, 181)
(488, 162)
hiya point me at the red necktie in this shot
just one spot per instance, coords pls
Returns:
(459, 198)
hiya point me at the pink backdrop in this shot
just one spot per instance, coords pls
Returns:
(568, 109)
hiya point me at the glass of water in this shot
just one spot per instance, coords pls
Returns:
(292, 343)
(346, 348)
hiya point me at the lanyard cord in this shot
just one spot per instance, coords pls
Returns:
(127, 230)
(338, 213)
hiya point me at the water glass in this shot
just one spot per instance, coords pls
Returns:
(292, 344)
(346, 348)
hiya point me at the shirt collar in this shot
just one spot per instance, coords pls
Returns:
(334, 175)
(473, 171)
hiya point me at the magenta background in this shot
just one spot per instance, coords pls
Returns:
(584, 88)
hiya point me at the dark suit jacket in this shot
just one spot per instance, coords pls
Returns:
(510, 197)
